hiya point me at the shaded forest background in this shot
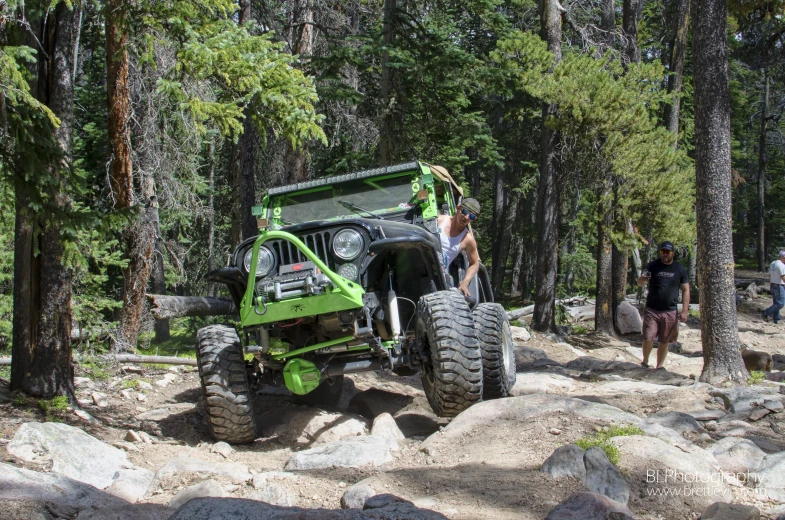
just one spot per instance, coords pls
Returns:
(212, 103)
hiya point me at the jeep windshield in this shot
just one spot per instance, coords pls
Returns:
(369, 198)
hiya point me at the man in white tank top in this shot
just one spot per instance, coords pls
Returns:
(455, 237)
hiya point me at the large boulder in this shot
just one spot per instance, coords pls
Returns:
(128, 512)
(720, 511)
(654, 467)
(306, 425)
(737, 455)
(237, 473)
(77, 455)
(770, 476)
(356, 495)
(541, 383)
(679, 421)
(628, 319)
(23, 484)
(603, 477)
(207, 488)
(589, 506)
(566, 461)
(520, 334)
(372, 450)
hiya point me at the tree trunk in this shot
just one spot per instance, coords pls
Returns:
(27, 271)
(632, 52)
(499, 204)
(509, 220)
(164, 307)
(603, 317)
(51, 371)
(548, 203)
(719, 327)
(678, 57)
(761, 237)
(608, 15)
(385, 88)
(211, 218)
(297, 160)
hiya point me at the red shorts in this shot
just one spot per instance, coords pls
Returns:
(663, 325)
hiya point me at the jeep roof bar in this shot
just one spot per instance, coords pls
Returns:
(363, 174)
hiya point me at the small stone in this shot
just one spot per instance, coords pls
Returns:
(710, 426)
(163, 383)
(132, 369)
(554, 431)
(704, 437)
(86, 416)
(222, 448)
(127, 393)
(231, 488)
(132, 436)
(127, 446)
(141, 397)
(145, 437)
(774, 405)
(144, 385)
(99, 400)
(341, 484)
(83, 382)
(759, 413)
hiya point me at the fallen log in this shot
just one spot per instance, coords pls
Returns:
(525, 311)
(127, 358)
(164, 306)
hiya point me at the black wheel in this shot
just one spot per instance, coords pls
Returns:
(227, 392)
(326, 395)
(452, 380)
(498, 358)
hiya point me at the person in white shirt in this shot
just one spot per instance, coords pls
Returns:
(777, 279)
(455, 237)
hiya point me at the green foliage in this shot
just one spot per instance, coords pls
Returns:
(14, 79)
(756, 377)
(97, 368)
(602, 440)
(57, 403)
(6, 281)
(19, 400)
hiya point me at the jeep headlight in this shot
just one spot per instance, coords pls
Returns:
(347, 244)
(264, 264)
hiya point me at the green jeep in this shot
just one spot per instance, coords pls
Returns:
(348, 278)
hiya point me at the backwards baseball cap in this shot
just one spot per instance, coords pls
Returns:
(782, 253)
(668, 246)
(472, 205)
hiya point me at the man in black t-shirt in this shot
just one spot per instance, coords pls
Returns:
(665, 278)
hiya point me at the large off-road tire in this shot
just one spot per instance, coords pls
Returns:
(326, 395)
(228, 400)
(452, 380)
(498, 356)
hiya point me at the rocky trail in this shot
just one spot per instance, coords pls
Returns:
(140, 448)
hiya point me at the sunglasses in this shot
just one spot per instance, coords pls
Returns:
(666, 251)
(472, 216)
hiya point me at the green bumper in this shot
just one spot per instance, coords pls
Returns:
(343, 295)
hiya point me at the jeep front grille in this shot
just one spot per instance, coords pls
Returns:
(318, 242)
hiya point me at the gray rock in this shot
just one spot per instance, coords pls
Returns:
(759, 413)
(741, 400)
(306, 425)
(773, 405)
(769, 477)
(208, 488)
(385, 426)
(525, 355)
(99, 400)
(628, 319)
(260, 479)
(765, 444)
(131, 484)
(633, 387)
(681, 422)
(375, 401)
(274, 494)
(565, 461)
(356, 495)
(79, 456)
(23, 484)
(128, 512)
(236, 508)
(350, 453)
(520, 335)
(603, 477)
(588, 506)
(737, 455)
(159, 414)
(706, 415)
(26, 510)
(222, 448)
(720, 511)
(238, 473)
(655, 464)
(390, 507)
(528, 383)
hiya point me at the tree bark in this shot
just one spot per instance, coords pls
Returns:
(499, 204)
(119, 102)
(764, 120)
(297, 159)
(164, 307)
(719, 326)
(608, 15)
(548, 203)
(678, 57)
(632, 52)
(50, 372)
(385, 88)
(603, 317)
(211, 218)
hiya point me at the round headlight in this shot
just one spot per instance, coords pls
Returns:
(348, 271)
(264, 264)
(347, 244)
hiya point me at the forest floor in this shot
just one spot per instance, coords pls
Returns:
(488, 473)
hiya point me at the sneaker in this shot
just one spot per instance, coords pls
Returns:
(764, 316)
